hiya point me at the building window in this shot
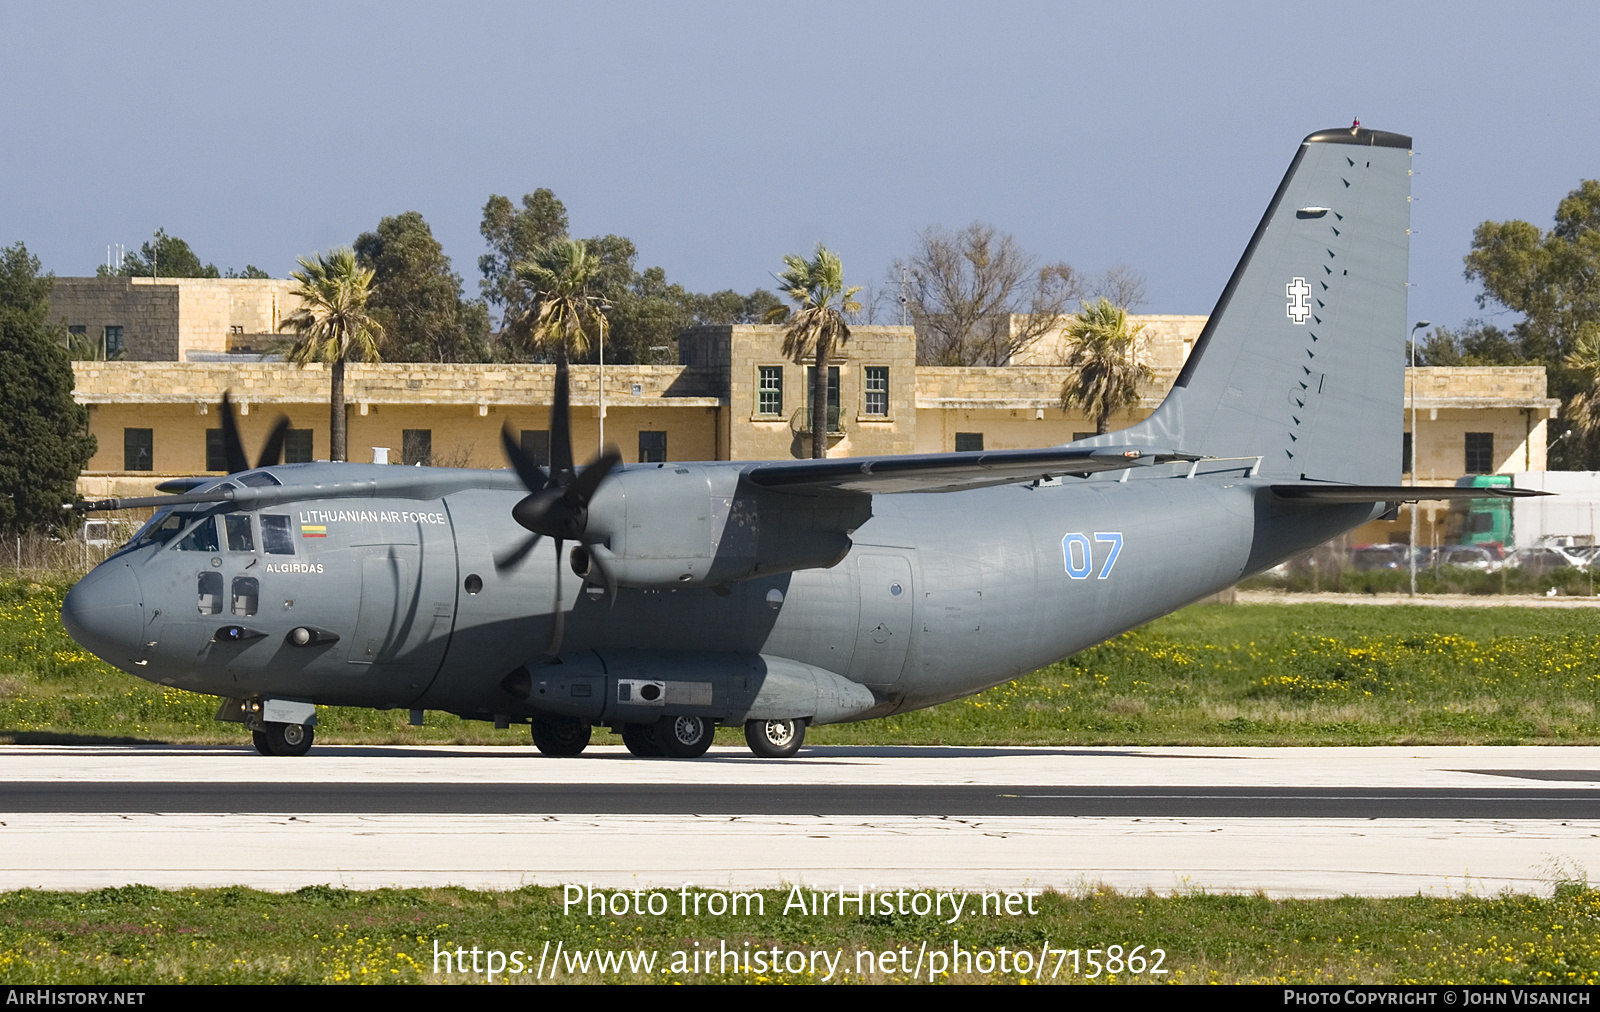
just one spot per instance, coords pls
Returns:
(1480, 452)
(1076, 436)
(652, 447)
(138, 449)
(967, 442)
(216, 452)
(877, 399)
(770, 390)
(297, 446)
(1405, 453)
(833, 397)
(113, 342)
(536, 444)
(416, 447)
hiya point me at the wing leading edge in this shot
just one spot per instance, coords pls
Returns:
(949, 472)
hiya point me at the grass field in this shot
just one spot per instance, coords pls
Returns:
(1208, 675)
(1215, 674)
(136, 934)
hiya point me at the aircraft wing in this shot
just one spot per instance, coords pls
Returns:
(1327, 493)
(948, 472)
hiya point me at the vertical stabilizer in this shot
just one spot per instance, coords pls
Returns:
(1302, 360)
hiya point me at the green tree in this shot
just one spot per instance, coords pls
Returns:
(250, 273)
(164, 256)
(333, 326)
(1552, 278)
(816, 327)
(564, 319)
(416, 298)
(1106, 376)
(513, 235)
(45, 442)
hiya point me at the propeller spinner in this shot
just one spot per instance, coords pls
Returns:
(557, 503)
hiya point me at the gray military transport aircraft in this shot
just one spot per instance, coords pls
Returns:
(782, 594)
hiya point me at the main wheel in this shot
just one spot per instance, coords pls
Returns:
(642, 740)
(774, 739)
(685, 737)
(560, 736)
(263, 743)
(286, 739)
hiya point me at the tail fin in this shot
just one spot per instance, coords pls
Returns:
(1302, 360)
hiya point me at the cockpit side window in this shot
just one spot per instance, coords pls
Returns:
(203, 538)
(277, 537)
(240, 536)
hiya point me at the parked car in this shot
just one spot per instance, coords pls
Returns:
(1365, 558)
(1468, 557)
(1539, 561)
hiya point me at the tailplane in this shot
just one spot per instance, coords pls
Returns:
(1301, 362)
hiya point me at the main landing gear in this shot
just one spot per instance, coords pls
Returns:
(283, 739)
(774, 739)
(689, 737)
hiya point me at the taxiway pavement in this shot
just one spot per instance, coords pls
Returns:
(1294, 821)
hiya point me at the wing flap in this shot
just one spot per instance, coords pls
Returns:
(1324, 493)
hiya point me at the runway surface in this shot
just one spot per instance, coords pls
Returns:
(1308, 821)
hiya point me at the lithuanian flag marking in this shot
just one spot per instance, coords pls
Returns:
(313, 530)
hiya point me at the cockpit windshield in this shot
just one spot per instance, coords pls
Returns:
(163, 527)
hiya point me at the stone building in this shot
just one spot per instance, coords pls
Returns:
(733, 395)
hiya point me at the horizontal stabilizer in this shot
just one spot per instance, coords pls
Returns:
(949, 472)
(1319, 492)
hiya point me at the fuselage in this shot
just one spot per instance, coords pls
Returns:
(939, 596)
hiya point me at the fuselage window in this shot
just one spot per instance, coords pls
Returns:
(246, 594)
(202, 538)
(240, 537)
(277, 537)
(211, 593)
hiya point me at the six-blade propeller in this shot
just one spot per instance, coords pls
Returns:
(557, 503)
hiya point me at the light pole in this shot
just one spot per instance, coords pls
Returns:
(1411, 395)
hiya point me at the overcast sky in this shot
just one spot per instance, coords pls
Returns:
(721, 136)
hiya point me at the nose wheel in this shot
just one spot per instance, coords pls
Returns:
(287, 740)
(560, 736)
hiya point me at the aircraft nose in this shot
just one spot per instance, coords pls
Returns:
(103, 612)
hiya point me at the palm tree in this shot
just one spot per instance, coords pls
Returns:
(1107, 376)
(332, 326)
(1583, 410)
(816, 326)
(565, 315)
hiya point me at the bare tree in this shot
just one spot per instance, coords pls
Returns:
(1121, 285)
(977, 298)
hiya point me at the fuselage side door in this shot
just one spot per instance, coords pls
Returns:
(884, 631)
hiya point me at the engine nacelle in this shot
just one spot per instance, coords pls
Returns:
(692, 525)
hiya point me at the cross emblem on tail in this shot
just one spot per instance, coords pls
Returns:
(1299, 299)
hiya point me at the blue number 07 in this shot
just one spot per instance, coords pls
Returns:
(1077, 553)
